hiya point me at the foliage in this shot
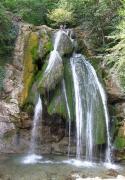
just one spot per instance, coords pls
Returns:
(115, 58)
(2, 74)
(7, 33)
(63, 14)
(32, 11)
(60, 16)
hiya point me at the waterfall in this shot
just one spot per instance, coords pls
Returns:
(54, 54)
(57, 39)
(90, 108)
(36, 121)
(78, 108)
(104, 101)
(32, 154)
(69, 115)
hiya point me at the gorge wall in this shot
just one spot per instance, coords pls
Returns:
(25, 79)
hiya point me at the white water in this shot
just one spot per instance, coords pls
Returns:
(36, 120)
(32, 155)
(86, 105)
(69, 116)
(78, 109)
(57, 39)
(104, 101)
(54, 55)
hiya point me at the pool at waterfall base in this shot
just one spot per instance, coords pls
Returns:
(55, 167)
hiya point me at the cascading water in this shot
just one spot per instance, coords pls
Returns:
(32, 155)
(78, 107)
(90, 107)
(57, 39)
(36, 121)
(54, 54)
(69, 115)
(104, 101)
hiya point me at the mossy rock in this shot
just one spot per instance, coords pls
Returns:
(49, 78)
(119, 142)
(65, 45)
(32, 99)
(57, 104)
(45, 45)
(29, 67)
(69, 86)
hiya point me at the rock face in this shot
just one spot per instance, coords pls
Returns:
(116, 98)
(20, 87)
(114, 89)
(39, 66)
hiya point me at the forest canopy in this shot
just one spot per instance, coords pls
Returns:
(101, 18)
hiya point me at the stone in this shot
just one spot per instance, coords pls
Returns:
(52, 74)
(112, 172)
(65, 45)
(6, 128)
(57, 105)
(45, 44)
(114, 89)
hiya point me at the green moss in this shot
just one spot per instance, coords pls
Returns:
(69, 87)
(34, 52)
(48, 81)
(99, 130)
(119, 142)
(57, 104)
(48, 46)
(29, 68)
(45, 45)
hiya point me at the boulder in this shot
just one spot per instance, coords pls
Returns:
(63, 43)
(114, 89)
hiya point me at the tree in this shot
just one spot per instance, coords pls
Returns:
(6, 34)
(62, 14)
(31, 11)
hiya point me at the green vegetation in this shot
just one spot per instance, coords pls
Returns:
(32, 11)
(2, 74)
(7, 32)
(115, 58)
(62, 14)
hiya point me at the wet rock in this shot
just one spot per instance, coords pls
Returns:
(52, 74)
(65, 45)
(45, 44)
(114, 89)
(57, 104)
(112, 172)
(120, 110)
(119, 155)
